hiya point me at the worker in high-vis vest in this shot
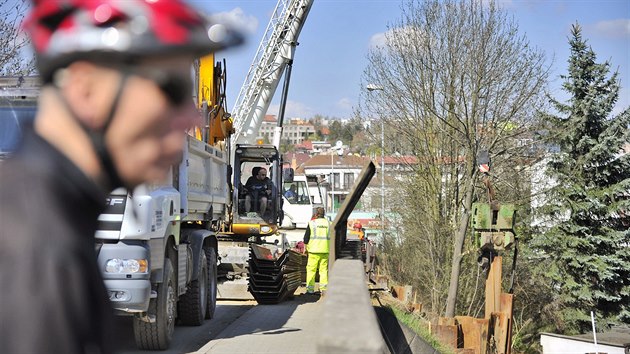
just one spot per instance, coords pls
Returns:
(317, 240)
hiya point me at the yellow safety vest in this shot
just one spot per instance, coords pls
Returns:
(320, 236)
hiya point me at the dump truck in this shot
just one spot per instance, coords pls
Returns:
(163, 247)
(166, 249)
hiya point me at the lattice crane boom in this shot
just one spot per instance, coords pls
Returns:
(274, 53)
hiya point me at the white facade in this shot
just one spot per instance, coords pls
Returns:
(344, 177)
(541, 183)
(559, 344)
(338, 187)
(291, 133)
(321, 147)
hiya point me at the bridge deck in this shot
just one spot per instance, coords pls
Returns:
(344, 321)
(289, 327)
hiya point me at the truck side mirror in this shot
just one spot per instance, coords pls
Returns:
(287, 175)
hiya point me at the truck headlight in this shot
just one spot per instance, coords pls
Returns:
(126, 266)
(265, 229)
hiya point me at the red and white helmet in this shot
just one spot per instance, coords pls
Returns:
(63, 31)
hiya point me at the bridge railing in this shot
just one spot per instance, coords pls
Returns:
(349, 323)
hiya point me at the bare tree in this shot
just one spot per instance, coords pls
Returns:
(457, 78)
(15, 59)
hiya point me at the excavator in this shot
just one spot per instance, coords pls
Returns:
(248, 235)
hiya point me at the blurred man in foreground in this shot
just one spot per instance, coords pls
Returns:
(114, 106)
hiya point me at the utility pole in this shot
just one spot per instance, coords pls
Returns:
(370, 88)
(339, 149)
(332, 182)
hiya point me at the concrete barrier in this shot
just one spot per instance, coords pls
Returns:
(349, 323)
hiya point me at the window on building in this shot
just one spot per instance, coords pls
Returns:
(348, 180)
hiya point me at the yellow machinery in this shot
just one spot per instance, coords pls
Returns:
(239, 227)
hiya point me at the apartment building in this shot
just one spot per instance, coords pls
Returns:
(294, 132)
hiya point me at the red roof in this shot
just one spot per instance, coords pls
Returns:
(398, 160)
(346, 160)
(413, 160)
(295, 159)
(307, 145)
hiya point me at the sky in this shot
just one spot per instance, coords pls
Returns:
(338, 34)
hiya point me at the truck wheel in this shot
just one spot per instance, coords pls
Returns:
(211, 256)
(192, 305)
(158, 335)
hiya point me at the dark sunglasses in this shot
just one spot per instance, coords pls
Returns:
(174, 86)
(176, 89)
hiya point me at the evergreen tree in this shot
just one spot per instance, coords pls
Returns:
(586, 249)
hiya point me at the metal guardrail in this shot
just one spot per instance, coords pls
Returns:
(349, 323)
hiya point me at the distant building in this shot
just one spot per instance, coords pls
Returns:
(398, 165)
(339, 172)
(295, 159)
(320, 147)
(614, 341)
(325, 132)
(541, 183)
(306, 147)
(296, 131)
(346, 169)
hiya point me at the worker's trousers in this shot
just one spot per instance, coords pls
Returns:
(315, 261)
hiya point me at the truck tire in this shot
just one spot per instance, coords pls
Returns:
(192, 305)
(211, 256)
(158, 335)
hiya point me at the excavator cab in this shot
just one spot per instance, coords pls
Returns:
(257, 194)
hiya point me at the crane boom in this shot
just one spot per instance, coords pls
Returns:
(274, 53)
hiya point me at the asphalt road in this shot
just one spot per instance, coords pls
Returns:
(187, 339)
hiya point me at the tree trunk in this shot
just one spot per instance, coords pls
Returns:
(451, 300)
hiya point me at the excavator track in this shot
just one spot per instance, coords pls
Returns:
(274, 279)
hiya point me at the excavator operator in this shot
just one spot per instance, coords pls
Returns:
(258, 188)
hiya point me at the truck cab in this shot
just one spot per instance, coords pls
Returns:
(301, 196)
(18, 106)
